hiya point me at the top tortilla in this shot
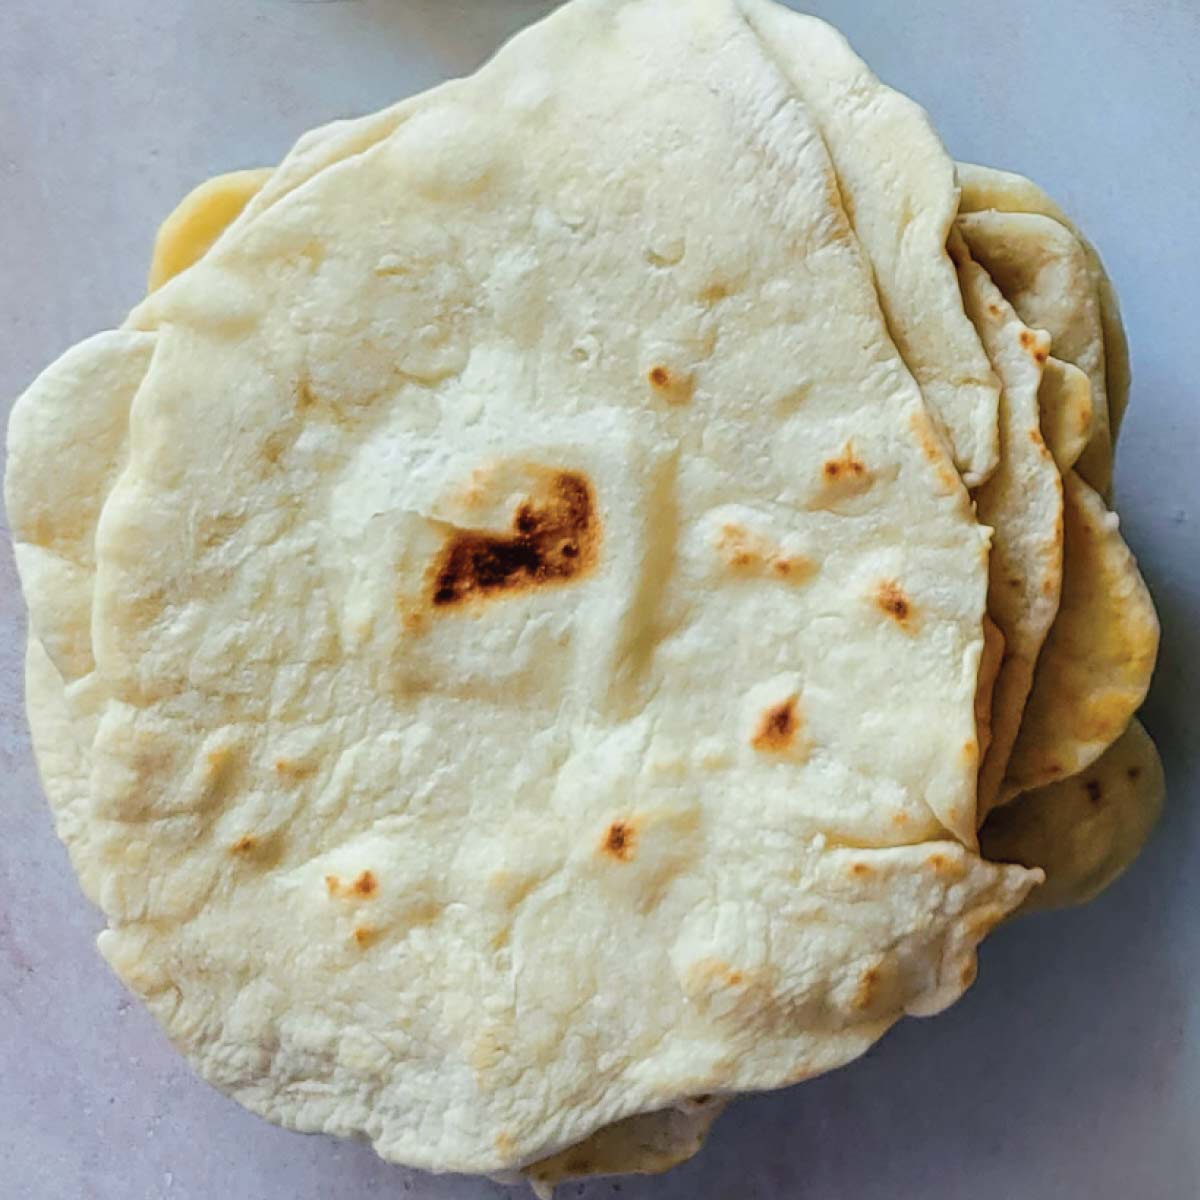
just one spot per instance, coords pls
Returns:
(155, 648)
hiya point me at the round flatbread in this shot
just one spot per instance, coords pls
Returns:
(233, 790)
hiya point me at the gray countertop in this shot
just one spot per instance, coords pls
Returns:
(1072, 1069)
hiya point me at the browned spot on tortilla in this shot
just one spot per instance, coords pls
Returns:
(294, 770)
(868, 986)
(861, 870)
(423, 913)
(946, 868)
(734, 978)
(504, 1144)
(994, 309)
(305, 396)
(969, 974)
(751, 553)
(555, 539)
(891, 599)
(970, 751)
(660, 377)
(620, 840)
(1094, 791)
(412, 620)
(244, 845)
(1134, 773)
(777, 727)
(927, 438)
(847, 470)
(364, 935)
(1029, 342)
(715, 292)
(365, 884)
(333, 884)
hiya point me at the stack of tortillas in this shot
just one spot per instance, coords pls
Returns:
(529, 618)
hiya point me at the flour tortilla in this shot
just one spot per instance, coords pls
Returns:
(199, 219)
(899, 188)
(168, 920)
(1023, 504)
(1096, 666)
(1084, 832)
(1067, 411)
(989, 188)
(1045, 273)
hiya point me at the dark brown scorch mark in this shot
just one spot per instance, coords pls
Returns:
(555, 538)
(620, 840)
(777, 727)
(892, 600)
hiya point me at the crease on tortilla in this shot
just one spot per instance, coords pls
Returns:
(990, 187)
(898, 185)
(1023, 504)
(1096, 665)
(1044, 272)
(1065, 400)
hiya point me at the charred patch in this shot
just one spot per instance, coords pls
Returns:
(620, 841)
(555, 538)
(365, 884)
(890, 599)
(777, 727)
(1134, 774)
(1095, 793)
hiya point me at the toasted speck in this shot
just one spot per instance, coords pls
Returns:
(620, 840)
(777, 727)
(891, 599)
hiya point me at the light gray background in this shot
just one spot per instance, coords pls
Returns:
(1073, 1067)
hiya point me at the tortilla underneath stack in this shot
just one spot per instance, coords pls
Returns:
(561, 686)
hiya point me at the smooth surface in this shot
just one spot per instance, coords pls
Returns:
(1082, 1038)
